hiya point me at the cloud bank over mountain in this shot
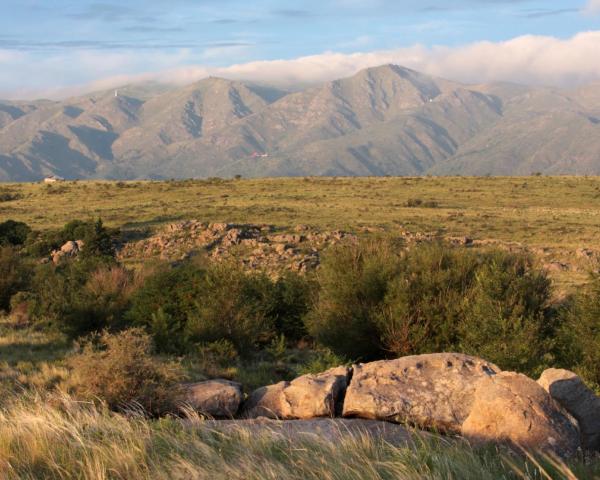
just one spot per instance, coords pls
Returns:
(529, 59)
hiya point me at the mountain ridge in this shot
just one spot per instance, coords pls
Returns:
(387, 120)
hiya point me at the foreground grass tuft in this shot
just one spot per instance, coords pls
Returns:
(58, 438)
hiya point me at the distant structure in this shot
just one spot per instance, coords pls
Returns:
(53, 179)
(116, 93)
(259, 155)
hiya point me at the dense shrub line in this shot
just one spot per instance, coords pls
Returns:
(370, 300)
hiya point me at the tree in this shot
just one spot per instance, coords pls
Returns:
(98, 242)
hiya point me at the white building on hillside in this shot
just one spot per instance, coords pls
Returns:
(53, 179)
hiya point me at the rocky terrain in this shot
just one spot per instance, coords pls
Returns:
(448, 393)
(257, 246)
(387, 120)
(299, 248)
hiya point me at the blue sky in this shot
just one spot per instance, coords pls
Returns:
(50, 46)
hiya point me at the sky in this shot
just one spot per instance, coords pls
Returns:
(57, 48)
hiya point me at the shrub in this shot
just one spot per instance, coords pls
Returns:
(9, 196)
(120, 370)
(82, 296)
(164, 302)
(354, 281)
(289, 302)
(97, 242)
(15, 275)
(98, 239)
(423, 307)
(234, 306)
(374, 303)
(507, 316)
(413, 202)
(192, 304)
(582, 332)
(13, 233)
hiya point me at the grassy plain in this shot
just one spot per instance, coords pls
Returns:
(56, 437)
(558, 214)
(542, 211)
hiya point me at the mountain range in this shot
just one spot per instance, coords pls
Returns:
(387, 120)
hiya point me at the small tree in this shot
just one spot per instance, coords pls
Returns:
(98, 242)
(235, 306)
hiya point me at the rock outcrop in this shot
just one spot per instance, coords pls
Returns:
(214, 398)
(432, 391)
(575, 397)
(512, 408)
(445, 392)
(308, 396)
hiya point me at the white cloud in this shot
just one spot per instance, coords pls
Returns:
(592, 7)
(537, 60)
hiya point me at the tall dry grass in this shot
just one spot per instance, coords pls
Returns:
(59, 438)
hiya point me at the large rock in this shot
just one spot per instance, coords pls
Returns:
(432, 391)
(576, 398)
(215, 398)
(308, 396)
(70, 248)
(512, 408)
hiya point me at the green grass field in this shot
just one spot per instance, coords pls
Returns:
(558, 214)
(542, 211)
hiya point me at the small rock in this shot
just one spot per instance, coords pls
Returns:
(308, 396)
(215, 398)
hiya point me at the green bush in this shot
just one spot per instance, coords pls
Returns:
(581, 333)
(354, 281)
(120, 370)
(15, 275)
(98, 240)
(507, 318)
(424, 304)
(80, 297)
(194, 304)
(289, 301)
(375, 302)
(13, 233)
(234, 306)
(164, 302)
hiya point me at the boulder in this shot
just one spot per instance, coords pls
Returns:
(431, 391)
(215, 398)
(577, 399)
(308, 396)
(70, 248)
(512, 408)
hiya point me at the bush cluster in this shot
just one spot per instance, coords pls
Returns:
(369, 300)
(376, 301)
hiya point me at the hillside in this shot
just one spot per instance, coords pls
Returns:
(387, 120)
